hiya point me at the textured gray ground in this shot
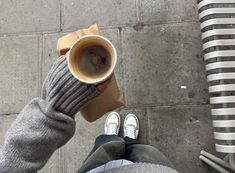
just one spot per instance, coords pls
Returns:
(160, 70)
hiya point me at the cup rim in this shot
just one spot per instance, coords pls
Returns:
(111, 69)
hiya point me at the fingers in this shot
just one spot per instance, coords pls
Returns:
(102, 86)
(67, 54)
(64, 51)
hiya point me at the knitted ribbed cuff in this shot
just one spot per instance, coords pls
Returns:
(64, 92)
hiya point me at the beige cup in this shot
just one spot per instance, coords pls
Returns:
(75, 56)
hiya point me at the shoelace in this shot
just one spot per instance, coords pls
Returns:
(112, 128)
(130, 131)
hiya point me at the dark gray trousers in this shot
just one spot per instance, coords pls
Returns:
(111, 147)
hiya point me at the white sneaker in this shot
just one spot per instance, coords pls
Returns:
(112, 124)
(131, 126)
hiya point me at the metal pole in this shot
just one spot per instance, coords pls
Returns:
(213, 165)
(216, 159)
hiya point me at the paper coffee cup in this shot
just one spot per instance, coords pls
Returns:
(92, 59)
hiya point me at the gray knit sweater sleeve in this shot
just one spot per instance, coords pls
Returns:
(64, 92)
(45, 123)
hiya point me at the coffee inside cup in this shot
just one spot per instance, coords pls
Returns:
(94, 61)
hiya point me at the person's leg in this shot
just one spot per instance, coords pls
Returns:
(102, 140)
(146, 153)
(130, 141)
(107, 147)
(137, 152)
